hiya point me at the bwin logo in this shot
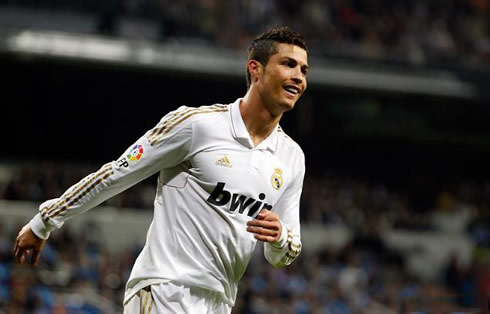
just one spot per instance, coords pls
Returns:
(221, 197)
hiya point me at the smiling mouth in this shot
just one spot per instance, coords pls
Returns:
(292, 90)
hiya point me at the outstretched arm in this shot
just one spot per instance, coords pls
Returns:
(153, 151)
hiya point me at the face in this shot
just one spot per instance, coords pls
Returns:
(283, 80)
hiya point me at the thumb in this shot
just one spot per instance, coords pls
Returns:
(263, 213)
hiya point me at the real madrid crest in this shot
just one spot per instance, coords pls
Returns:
(276, 179)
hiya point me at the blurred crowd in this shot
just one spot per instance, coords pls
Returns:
(327, 199)
(75, 275)
(415, 32)
(369, 208)
(357, 280)
(78, 275)
(42, 181)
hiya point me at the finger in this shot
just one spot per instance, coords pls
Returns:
(21, 256)
(264, 224)
(263, 213)
(269, 216)
(265, 238)
(35, 256)
(27, 253)
(264, 232)
(18, 254)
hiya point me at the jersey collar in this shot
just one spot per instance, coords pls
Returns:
(241, 134)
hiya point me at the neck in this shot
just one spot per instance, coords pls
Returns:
(260, 122)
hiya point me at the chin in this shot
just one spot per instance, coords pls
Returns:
(289, 105)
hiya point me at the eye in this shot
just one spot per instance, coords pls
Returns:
(289, 63)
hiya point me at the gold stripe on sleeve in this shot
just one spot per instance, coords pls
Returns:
(188, 114)
(143, 301)
(106, 174)
(158, 127)
(176, 115)
(146, 300)
(150, 306)
(76, 189)
(294, 249)
(163, 125)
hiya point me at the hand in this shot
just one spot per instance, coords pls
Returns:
(28, 243)
(266, 227)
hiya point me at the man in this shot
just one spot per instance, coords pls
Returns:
(229, 176)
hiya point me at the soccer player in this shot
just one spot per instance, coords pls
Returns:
(228, 176)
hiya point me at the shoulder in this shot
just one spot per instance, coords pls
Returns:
(290, 147)
(186, 118)
(187, 114)
(288, 142)
(203, 113)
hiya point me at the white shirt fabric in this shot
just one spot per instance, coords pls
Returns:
(174, 297)
(212, 181)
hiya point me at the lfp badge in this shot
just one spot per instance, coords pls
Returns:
(276, 179)
(135, 153)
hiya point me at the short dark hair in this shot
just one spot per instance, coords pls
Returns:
(265, 45)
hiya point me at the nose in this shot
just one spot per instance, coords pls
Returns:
(297, 80)
(298, 76)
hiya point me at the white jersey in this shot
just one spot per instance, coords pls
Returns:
(212, 181)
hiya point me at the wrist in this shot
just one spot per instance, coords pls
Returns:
(282, 239)
(39, 228)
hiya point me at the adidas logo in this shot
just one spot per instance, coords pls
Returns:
(224, 161)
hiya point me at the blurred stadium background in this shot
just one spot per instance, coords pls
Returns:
(395, 127)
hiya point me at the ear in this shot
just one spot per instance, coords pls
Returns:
(255, 69)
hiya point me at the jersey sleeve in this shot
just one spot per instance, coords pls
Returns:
(289, 246)
(166, 145)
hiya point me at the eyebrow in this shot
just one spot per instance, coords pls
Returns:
(304, 66)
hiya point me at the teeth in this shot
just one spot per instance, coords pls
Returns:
(291, 90)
